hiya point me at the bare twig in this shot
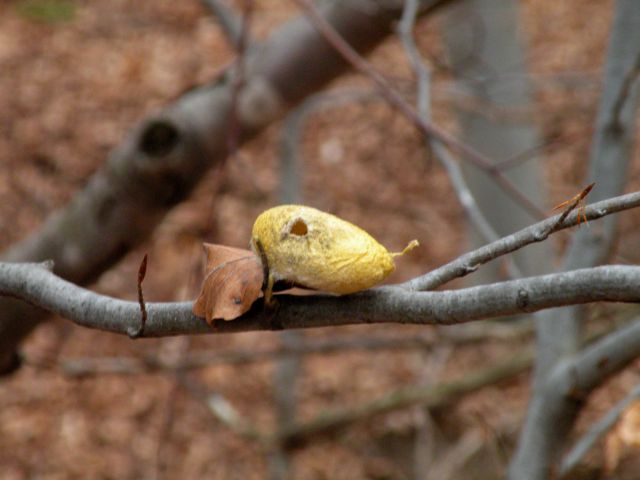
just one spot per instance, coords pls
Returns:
(466, 198)
(84, 366)
(397, 101)
(431, 396)
(420, 70)
(38, 286)
(538, 232)
(530, 153)
(613, 283)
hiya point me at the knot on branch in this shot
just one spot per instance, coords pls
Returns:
(159, 138)
(522, 300)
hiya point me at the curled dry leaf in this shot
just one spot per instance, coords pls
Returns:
(233, 281)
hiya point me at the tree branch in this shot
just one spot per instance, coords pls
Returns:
(430, 396)
(85, 366)
(612, 283)
(35, 284)
(538, 232)
(558, 400)
(611, 152)
(230, 22)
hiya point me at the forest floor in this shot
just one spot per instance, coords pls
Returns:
(74, 80)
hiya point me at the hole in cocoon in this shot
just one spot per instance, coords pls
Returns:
(298, 228)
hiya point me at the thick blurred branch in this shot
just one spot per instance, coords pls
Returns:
(161, 161)
(559, 399)
(430, 396)
(89, 366)
(551, 416)
(611, 151)
(229, 20)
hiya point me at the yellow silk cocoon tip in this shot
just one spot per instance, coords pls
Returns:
(318, 250)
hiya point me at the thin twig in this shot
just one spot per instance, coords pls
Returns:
(396, 100)
(429, 396)
(530, 153)
(432, 396)
(538, 232)
(460, 186)
(87, 366)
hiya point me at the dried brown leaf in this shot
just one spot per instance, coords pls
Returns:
(233, 281)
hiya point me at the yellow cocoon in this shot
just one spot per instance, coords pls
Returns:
(318, 250)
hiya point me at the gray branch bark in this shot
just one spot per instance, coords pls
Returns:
(612, 283)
